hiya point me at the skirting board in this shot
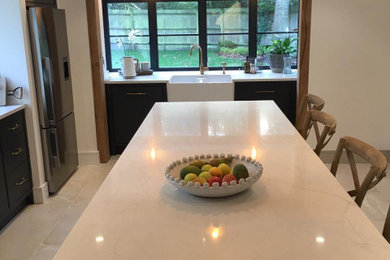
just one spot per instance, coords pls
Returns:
(89, 157)
(327, 157)
(41, 194)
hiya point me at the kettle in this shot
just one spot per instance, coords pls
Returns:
(129, 67)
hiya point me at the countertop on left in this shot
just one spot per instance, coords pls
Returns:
(9, 110)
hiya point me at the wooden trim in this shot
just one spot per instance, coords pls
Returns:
(304, 49)
(99, 94)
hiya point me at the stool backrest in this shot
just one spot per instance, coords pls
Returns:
(308, 103)
(374, 157)
(314, 119)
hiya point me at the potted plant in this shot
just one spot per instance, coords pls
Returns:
(278, 50)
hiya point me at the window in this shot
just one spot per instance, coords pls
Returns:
(177, 29)
(276, 19)
(227, 32)
(161, 32)
(128, 33)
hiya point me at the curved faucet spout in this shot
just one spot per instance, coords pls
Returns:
(202, 68)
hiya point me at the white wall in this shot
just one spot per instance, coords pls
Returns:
(14, 65)
(80, 63)
(350, 67)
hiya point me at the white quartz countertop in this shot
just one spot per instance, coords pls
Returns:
(164, 76)
(296, 210)
(9, 110)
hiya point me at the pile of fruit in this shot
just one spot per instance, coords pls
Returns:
(214, 171)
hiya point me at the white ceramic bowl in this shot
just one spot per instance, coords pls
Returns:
(255, 170)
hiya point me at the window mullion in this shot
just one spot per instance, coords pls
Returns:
(253, 28)
(202, 29)
(152, 12)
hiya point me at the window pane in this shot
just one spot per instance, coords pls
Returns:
(277, 15)
(231, 49)
(174, 51)
(121, 47)
(227, 16)
(177, 17)
(125, 17)
(265, 40)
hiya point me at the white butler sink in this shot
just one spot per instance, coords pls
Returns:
(190, 79)
(200, 88)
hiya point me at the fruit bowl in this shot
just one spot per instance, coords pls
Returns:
(255, 170)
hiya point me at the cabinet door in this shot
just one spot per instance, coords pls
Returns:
(128, 105)
(283, 93)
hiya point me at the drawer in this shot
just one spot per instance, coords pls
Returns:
(11, 126)
(18, 183)
(14, 152)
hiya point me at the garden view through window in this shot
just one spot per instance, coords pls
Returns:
(162, 32)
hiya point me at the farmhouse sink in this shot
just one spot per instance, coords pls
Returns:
(191, 79)
(200, 88)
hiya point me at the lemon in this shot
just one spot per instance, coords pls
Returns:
(225, 169)
(206, 175)
(206, 167)
(190, 177)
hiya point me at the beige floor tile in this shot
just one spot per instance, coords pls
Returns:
(377, 200)
(39, 230)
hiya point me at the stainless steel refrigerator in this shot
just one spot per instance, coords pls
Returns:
(53, 85)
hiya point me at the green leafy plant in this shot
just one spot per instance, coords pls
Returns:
(282, 47)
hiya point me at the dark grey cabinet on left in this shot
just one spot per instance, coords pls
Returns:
(15, 172)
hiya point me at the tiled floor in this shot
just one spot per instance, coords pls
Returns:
(39, 230)
(376, 203)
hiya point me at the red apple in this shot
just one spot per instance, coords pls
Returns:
(213, 179)
(228, 178)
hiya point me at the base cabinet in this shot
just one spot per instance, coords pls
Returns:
(15, 171)
(284, 93)
(127, 107)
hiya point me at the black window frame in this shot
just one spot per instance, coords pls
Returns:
(202, 24)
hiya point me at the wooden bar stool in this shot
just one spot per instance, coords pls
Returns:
(329, 128)
(377, 160)
(386, 228)
(308, 103)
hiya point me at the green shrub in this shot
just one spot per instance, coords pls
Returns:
(243, 51)
(226, 44)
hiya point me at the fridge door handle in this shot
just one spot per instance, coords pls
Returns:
(48, 85)
(54, 151)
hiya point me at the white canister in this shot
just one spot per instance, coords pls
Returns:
(129, 67)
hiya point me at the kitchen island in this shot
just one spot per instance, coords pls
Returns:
(297, 210)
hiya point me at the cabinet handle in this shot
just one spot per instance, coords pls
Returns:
(20, 149)
(264, 91)
(136, 93)
(14, 127)
(21, 182)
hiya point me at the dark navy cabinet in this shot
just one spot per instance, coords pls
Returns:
(15, 172)
(284, 93)
(127, 107)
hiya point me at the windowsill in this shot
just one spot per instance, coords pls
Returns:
(237, 76)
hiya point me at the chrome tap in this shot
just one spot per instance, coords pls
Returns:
(202, 68)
